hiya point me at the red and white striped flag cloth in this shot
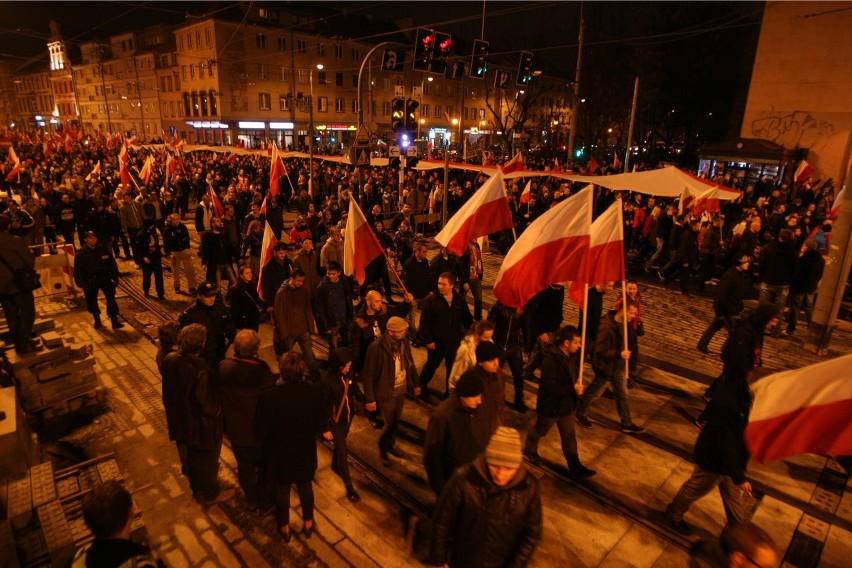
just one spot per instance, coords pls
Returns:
(604, 261)
(707, 201)
(803, 171)
(171, 166)
(685, 201)
(96, 171)
(838, 202)
(593, 166)
(267, 250)
(263, 208)
(525, 194)
(617, 164)
(147, 169)
(516, 164)
(218, 209)
(360, 246)
(801, 411)
(16, 165)
(551, 250)
(276, 170)
(486, 212)
(122, 166)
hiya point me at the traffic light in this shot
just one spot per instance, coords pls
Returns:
(411, 116)
(424, 46)
(398, 115)
(440, 52)
(524, 68)
(479, 59)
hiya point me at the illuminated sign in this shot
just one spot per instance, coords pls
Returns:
(281, 125)
(251, 125)
(335, 127)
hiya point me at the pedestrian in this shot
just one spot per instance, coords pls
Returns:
(332, 250)
(306, 259)
(95, 270)
(217, 254)
(489, 513)
(167, 340)
(334, 314)
(557, 400)
(608, 363)
(289, 418)
(743, 544)
(443, 322)
(804, 285)
(388, 373)
(21, 222)
(18, 302)
(131, 215)
(252, 244)
(711, 251)
(151, 257)
(482, 330)
(275, 272)
(777, 267)
(110, 514)
(417, 280)
(594, 309)
(340, 393)
(685, 258)
(544, 316)
(458, 431)
(728, 302)
(472, 274)
(508, 323)
(176, 245)
(194, 415)
(294, 318)
(246, 307)
(209, 311)
(238, 384)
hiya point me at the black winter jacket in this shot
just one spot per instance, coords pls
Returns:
(443, 323)
(731, 292)
(778, 263)
(556, 396)
(720, 447)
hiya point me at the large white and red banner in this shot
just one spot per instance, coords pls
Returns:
(360, 246)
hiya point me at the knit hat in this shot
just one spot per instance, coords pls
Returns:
(469, 384)
(504, 449)
(397, 324)
(743, 259)
(487, 351)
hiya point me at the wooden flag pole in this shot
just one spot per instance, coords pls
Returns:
(578, 387)
(624, 323)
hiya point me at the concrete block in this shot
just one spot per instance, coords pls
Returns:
(43, 324)
(51, 339)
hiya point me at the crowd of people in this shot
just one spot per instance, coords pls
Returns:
(772, 236)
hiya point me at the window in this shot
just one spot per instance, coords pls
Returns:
(260, 40)
(197, 38)
(437, 89)
(203, 96)
(284, 102)
(192, 71)
(321, 49)
(262, 71)
(338, 79)
(189, 41)
(207, 36)
(449, 90)
(450, 111)
(322, 104)
(355, 81)
(183, 71)
(195, 106)
(482, 114)
(386, 107)
(302, 47)
(264, 101)
(464, 113)
(356, 54)
(214, 105)
(209, 69)
(303, 75)
(321, 78)
(386, 83)
(338, 51)
(181, 43)
(339, 105)
(424, 110)
(354, 106)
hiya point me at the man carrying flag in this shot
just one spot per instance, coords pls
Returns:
(267, 251)
(525, 194)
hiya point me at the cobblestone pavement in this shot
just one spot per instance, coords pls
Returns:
(638, 473)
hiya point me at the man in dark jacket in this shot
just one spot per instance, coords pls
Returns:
(686, 256)
(777, 267)
(238, 384)
(544, 316)
(371, 322)
(151, 257)
(444, 261)
(609, 358)
(193, 415)
(294, 318)
(557, 400)
(176, 245)
(217, 254)
(728, 302)
(334, 297)
(489, 513)
(388, 372)
(209, 311)
(804, 285)
(95, 270)
(458, 431)
(508, 323)
(418, 281)
(274, 273)
(443, 322)
(711, 251)
(18, 305)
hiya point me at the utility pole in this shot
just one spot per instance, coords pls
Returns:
(139, 97)
(630, 128)
(572, 133)
(103, 86)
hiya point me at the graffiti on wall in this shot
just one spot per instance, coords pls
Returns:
(797, 129)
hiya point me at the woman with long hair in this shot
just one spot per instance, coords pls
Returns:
(481, 330)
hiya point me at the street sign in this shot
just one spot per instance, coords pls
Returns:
(393, 151)
(399, 91)
(455, 71)
(362, 138)
(411, 152)
(394, 60)
(501, 79)
(374, 139)
(359, 156)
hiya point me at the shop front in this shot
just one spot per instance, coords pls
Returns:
(747, 159)
(210, 132)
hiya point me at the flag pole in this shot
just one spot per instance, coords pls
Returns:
(579, 385)
(395, 273)
(624, 323)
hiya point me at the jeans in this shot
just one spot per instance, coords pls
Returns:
(718, 323)
(657, 253)
(475, 285)
(700, 484)
(441, 352)
(515, 358)
(182, 261)
(391, 413)
(800, 301)
(20, 317)
(566, 427)
(619, 385)
(776, 295)
(221, 272)
(305, 344)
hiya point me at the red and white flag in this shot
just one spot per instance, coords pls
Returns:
(593, 166)
(801, 411)
(267, 250)
(685, 201)
(276, 170)
(16, 165)
(96, 171)
(516, 164)
(550, 251)
(218, 209)
(360, 246)
(707, 201)
(617, 164)
(171, 166)
(486, 212)
(147, 169)
(263, 208)
(803, 171)
(525, 194)
(556, 166)
(122, 166)
(835, 206)
(604, 261)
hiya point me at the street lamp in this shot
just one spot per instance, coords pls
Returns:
(319, 66)
(420, 127)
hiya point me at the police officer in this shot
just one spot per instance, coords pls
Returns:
(209, 310)
(95, 270)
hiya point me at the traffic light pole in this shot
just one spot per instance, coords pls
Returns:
(572, 133)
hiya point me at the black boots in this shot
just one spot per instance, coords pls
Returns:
(98, 323)
(115, 323)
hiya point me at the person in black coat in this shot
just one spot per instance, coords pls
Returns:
(728, 302)
(95, 270)
(210, 311)
(18, 305)
(508, 323)
(686, 256)
(289, 418)
(804, 285)
(246, 305)
(544, 316)
(339, 392)
(334, 312)
(151, 257)
(239, 383)
(777, 267)
(274, 273)
(557, 400)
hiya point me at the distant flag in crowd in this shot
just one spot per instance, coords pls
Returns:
(803, 171)
(486, 212)
(685, 200)
(263, 208)
(232, 157)
(68, 143)
(171, 166)
(617, 164)
(487, 158)
(604, 261)
(593, 166)
(267, 250)
(47, 150)
(96, 171)
(430, 201)
(218, 209)
(147, 169)
(805, 410)
(16, 165)
(550, 251)
(525, 194)
(276, 170)
(707, 201)
(556, 166)
(360, 246)
(122, 165)
(516, 164)
(838, 202)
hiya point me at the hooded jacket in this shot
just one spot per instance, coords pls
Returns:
(293, 313)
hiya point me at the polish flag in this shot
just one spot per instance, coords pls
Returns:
(218, 209)
(122, 166)
(525, 194)
(805, 410)
(486, 212)
(276, 170)
(551, 250)
(360, 246)
(556, 166)
(96, 171)
(171, 166)
(16, 165)
(605, 260)
(836, 204)
(803, 171)
(707, 201)
(617, 164)
(685, 201)
(593, 166)
(516, 164)
(147, 169)
(267, 249)
(46, 151)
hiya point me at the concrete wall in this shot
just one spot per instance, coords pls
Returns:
(801, 87)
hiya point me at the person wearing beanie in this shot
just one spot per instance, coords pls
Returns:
(489, 370)
(495, 482)
(728, 302)
(18, 305)
(388, 373)
(557, 400)
(339, 392)
(459, 430)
